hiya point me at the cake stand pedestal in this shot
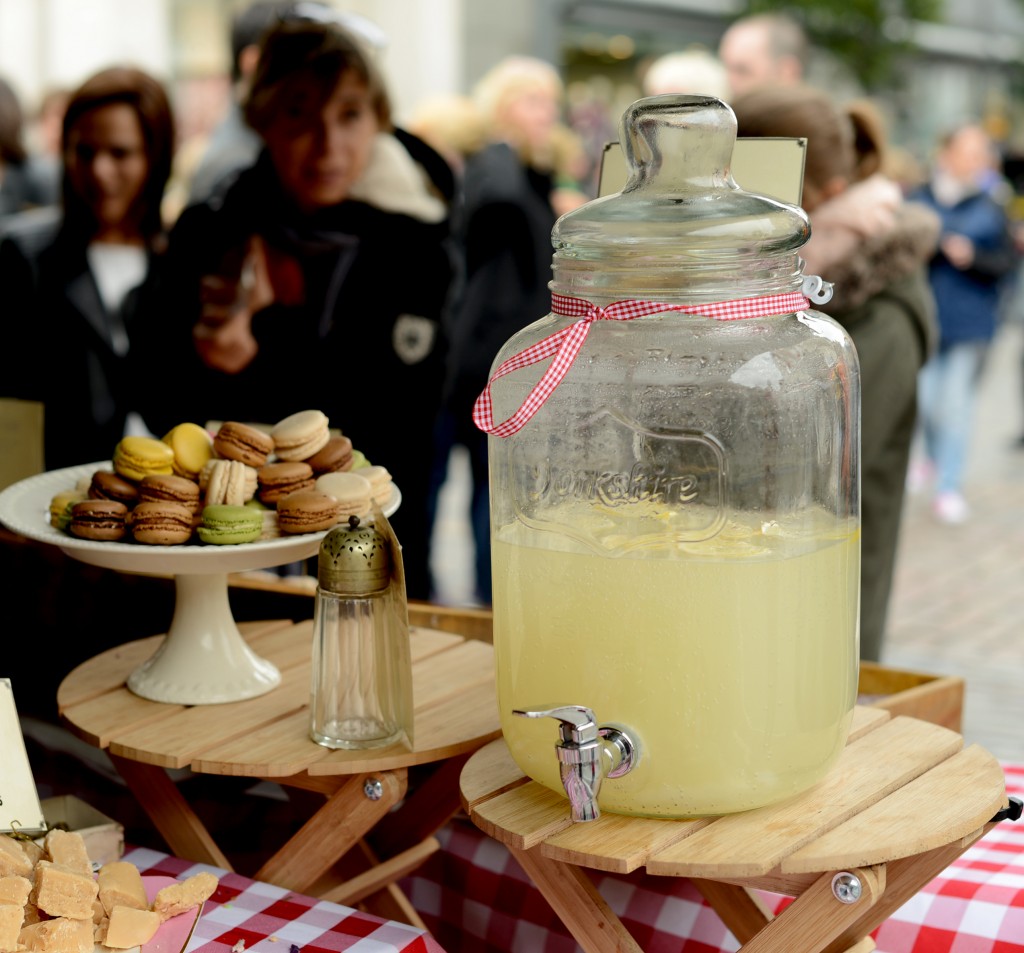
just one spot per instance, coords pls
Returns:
(203, 659)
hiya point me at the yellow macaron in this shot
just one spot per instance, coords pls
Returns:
(60, 507)
(138, 457)
(192, 446)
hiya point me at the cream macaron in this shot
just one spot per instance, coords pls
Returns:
(229, 482)
(380, 482)
(352, 491)
(300, 435)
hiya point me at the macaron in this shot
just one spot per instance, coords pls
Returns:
(279, 479)
(336, 454)
(231, 482)
(192, 446)
(168, 488)
(236, 441)
(138, 457)
(98, 519)
(60, 506)
(352, 491)
(300, 435)
(307, 511)
(161, 523)
(380, 482)
(269, 516)
(225, 525)
(359, 460)
(109, 486)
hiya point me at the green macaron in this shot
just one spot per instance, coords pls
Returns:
(225, 525)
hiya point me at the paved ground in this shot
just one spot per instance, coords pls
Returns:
(958, 601)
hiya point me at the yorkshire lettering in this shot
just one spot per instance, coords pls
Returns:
(641, 484)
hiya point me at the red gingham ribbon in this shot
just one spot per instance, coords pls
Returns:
(565, 344)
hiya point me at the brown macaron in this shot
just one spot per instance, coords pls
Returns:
(109, 486)
(279, 479)
(236, 441)
(161, 523)
(307, 511)
(99, 520)
(165, 488)
(335, 455)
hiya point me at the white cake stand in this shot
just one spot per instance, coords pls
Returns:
(203, 659)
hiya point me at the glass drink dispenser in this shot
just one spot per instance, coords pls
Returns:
(674, 495)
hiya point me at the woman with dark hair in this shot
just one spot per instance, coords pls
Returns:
(73, 283)
(318, 280)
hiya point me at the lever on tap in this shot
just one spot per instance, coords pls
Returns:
(587, 754)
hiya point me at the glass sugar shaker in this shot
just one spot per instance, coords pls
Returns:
(357, 679)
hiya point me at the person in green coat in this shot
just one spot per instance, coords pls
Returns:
(874, 247)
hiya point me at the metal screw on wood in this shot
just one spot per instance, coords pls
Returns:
(374, 790)
(846, 887)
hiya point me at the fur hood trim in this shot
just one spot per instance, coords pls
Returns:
(394, 182)
(884, 259)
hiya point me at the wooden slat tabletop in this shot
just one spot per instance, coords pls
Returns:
(453, 695)
(901, 787)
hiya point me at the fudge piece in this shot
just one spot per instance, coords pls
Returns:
(59, 935)
(67, 848)
(177, 898)
(33, 851)
(129, 926)
(15, 890)
(63, 892)
(11, 916)
(120, 883)
(32, 914)
(14, 862)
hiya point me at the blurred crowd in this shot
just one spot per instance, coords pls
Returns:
(314, 253)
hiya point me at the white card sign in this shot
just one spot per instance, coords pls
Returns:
(19, 801)
(769, 166)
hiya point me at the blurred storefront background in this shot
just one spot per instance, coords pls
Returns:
(965, 64)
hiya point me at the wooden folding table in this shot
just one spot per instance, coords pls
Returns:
(904, 801)
(267, 737)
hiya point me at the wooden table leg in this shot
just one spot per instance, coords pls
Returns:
(905, 877)
(575, 899)
(813, 921)
(178, 824)
(739, 908)
(390, 901)
(381, 873)
(425, 810)
(330, 833)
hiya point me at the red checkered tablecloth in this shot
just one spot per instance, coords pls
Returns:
(476, 899)
(270, 919)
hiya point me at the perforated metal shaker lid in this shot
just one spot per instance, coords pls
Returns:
(355, 560)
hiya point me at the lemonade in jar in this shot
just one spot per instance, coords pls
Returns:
(674, 463)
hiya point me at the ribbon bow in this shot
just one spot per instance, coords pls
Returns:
(563, 345)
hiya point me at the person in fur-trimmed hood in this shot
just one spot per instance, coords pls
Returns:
(874, 247)
(319, 279)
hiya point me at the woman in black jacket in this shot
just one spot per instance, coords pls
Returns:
(71, 279)
(510, 191)
(319, 278)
